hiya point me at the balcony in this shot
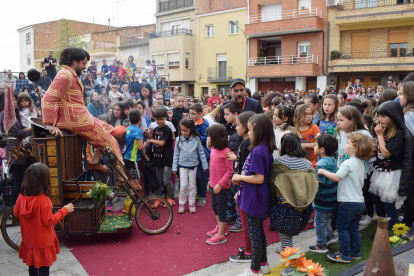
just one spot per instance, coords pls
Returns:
(287, 22)
(289, 65)
(371, 14)
(380, 60)
(219, 74)
(363, 4)
(172, 33)
(174, 4)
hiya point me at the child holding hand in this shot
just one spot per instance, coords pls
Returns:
(34, 209)
(350, 178)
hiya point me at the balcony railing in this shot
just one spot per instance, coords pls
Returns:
(393, 53)
(363, 4)
(175, 4)
(290, 14)
(171, 33)
(219, 74)
(283, 60)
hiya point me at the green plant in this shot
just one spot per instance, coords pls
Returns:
(335, 54)
(302, 8)
(98, 192)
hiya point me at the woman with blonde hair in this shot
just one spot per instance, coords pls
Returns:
(213, 117)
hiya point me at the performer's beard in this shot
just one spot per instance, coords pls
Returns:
(78, 70)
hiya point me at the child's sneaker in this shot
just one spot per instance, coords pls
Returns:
(192, 209)
(170, 201)
(109, 206)
(123, 209)
(241, 258)
(216, 239)
(286, 271)
(318, 249)
(181, 209)
(249, 272)
(367, 220)
(237, 227)
(214, 232)
(265, 268)
(336, 257)
(331, 240)
(356, 256)
(201, 202)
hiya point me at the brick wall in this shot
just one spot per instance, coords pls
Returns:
(45, 34)
(206, 6)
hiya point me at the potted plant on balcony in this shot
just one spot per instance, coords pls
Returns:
(303, 10)
(303, 54)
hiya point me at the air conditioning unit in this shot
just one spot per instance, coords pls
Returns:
(332, 3)
(262, 45)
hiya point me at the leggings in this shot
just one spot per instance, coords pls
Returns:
(219, 204)
(258, 241)
(385, 209)
(368, 197)
(41, 271)
(247, 244)
(285, 240)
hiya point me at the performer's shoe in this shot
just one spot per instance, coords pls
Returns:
(96, 167)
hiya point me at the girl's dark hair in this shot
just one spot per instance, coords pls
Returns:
(147, 86)
(367, 119)
(21, 73)
(387, 95)
(313, 97)
(98, 103)
(291, 145)
(26, 96)
(244, 119)
(188, 124)
(344, 95)
(262, 132)
(218, 136)
(267, 100)
(257, 97)
(36, 180)
(332, 117)
(356, 104)
(68, 55)
(286, 111)
(132, 58)
(142, 104)
(25, 88)
(123, 116)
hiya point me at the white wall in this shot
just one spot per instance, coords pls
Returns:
(253, 85)
(140, 54)
(321, 83)
(26, 49)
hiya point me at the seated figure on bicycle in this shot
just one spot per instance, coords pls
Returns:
(64, 107)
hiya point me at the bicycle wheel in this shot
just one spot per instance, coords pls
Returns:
(156, 220)
(10, 229)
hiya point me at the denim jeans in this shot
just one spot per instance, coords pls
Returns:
(322, 227)
(231, 206)
(347, 224)
(202, 181)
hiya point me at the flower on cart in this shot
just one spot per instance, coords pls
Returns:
(98, 192)
(311, 268)
(400, 229)
(292, 256)
(394, 239)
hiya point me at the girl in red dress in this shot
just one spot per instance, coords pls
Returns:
(34, 209)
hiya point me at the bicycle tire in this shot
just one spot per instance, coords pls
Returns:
(4, 233)
(141, 207)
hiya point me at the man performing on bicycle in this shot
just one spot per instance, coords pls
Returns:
(64, 107)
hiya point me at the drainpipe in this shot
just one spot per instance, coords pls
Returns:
(247, 45)
(198, 56)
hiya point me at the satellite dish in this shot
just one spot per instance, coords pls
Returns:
(33, 74)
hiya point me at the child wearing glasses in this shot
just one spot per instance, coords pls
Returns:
(307, 130)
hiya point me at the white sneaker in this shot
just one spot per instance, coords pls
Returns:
(265, 269)
(400, 218)
(367, 220)
(249, 272)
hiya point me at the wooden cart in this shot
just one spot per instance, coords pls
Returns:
(63, 155)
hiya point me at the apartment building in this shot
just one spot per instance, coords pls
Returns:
(220, 49)
(36, 40)
(372, 40)
(287, 44)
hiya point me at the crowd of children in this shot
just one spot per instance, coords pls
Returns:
(334, 156)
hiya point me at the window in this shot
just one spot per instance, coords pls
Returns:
(28, 59)
(361, 4)
(174, 61)
(205, 90)
(209, 30)
(222, 66)
(159, 61)
(28, 38)
(398, 43)
(234, 29)
(304, 48)
(306, 4)
(360, 45)
(187, 60)
(271, 12)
